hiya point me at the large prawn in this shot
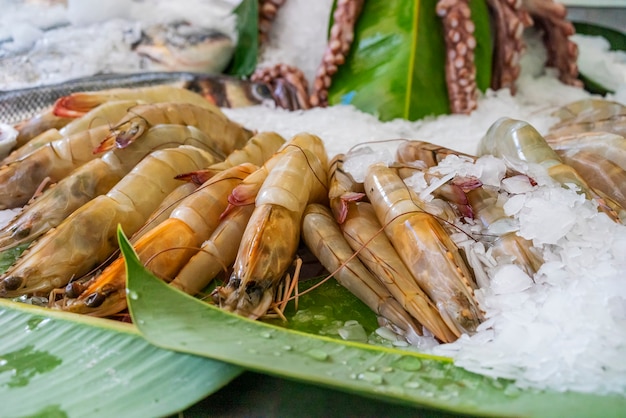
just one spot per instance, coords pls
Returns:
(77, 104)
(20, 179)
(93, 179)
(226, 134)
(166, 247)
(324, 238)
(426, 249)
(519, 144)
(298, 177)
(87, 237)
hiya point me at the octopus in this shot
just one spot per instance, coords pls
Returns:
(510, 19)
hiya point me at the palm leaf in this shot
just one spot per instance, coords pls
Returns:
(64, 365)
(173, 320)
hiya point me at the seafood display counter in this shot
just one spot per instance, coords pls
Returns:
(227, 245)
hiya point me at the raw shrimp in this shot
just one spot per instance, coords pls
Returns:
(508, 246)
(607, 145)
(87, 237)
(366, 237)
(589, 115)
(323, 237)
(605, 176)
(271, 238)
(77, 104)
(20, 179)
(93, 179)
(426, 249)
(519, 144)
(224, 133)
(166, 247)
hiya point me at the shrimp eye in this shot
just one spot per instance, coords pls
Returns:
(261, 91)
(74, 289)
(94, 300)
(12, 282)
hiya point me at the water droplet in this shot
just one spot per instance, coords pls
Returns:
(266, 334)
(132, 294)
(253, 351)
(372, 368)
(411, 385)
(141, 321)
(317, 354)
(287, 347)
(410, 364)
(387, 369)
(374, 378)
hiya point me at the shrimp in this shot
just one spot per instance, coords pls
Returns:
(167, 247)
(77, 104)
(225, 134)
(20, 179)
(323, 237)
(426, 249)
(589, 115)
(93, 179)
(519, 144)
(602, 174)
(364, 234)
(607, 145)
(508, 246)
(272, 235)
(87, 237)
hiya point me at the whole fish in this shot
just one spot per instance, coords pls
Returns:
(224, 91)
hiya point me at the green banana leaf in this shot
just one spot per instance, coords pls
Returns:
(396, 66)
(617, 42)
(54, 364)
(171, 319)
(247, 49)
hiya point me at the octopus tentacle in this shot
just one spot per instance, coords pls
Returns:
(460, 45)
(510, 20)
(341, 36)
(287, 84)
(267, 14)
(549, 16)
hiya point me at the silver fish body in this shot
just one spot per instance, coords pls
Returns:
(224, 91)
